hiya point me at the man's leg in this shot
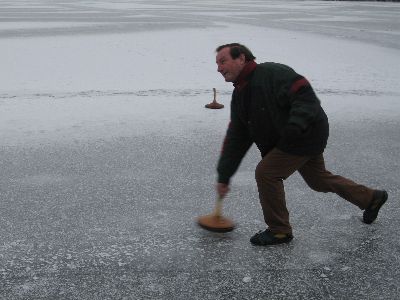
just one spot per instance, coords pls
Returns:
(321, 180)
(270, 173)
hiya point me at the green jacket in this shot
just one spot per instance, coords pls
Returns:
(273, 96)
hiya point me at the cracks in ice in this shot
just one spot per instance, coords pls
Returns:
(113, 93)
(174, 93)
(356, 92)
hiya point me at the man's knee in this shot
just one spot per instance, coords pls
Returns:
(317, 185)
(319, 182)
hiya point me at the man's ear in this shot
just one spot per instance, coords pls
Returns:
(242, 58)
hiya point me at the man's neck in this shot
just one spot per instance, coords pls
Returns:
(242, 79)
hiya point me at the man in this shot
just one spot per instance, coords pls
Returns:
(277, 109)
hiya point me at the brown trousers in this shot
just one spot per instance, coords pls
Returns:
(277, 166)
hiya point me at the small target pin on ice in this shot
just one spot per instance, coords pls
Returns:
(214, 104)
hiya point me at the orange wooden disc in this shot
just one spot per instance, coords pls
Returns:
(216, 223)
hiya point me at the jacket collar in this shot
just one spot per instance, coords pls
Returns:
(243, 77)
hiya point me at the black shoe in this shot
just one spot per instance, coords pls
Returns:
(266, 237)
(372, 211)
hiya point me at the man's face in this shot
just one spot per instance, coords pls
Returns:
(229, 68)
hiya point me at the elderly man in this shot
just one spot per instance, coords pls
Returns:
(277, 109)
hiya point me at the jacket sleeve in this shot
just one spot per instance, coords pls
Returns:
(236, 143)
(303, 103)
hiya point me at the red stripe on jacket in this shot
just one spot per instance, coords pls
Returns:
(299, 84)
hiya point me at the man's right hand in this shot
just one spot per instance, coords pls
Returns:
(222, 189)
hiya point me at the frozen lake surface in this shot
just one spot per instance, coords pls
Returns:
(108, 155)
